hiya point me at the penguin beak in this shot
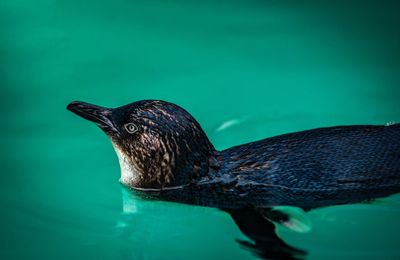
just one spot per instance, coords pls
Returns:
(101, 116)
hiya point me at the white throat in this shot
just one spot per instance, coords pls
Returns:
(129, 174)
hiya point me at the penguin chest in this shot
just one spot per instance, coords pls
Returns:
(129, 174)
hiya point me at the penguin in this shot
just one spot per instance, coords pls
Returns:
(164, 153)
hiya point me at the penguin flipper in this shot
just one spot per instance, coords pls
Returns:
(261, 231)
(293, 218)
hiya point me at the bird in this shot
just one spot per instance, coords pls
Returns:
(165, 154)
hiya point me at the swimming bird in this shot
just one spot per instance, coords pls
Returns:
(164, 153)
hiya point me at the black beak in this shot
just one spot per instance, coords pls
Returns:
(99, 115)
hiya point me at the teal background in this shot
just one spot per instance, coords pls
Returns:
(245, 69)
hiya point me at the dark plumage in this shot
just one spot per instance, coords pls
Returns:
(319, 167)
(164, 153)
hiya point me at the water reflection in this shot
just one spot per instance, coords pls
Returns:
(129, 208)
(263, 240)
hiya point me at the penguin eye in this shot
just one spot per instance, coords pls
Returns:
(131, 128)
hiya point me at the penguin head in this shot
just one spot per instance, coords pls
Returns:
(158, 144)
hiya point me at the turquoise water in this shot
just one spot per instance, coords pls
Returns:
(245, 69)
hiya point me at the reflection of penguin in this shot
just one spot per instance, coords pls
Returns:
(265, 243)
(163, 152)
